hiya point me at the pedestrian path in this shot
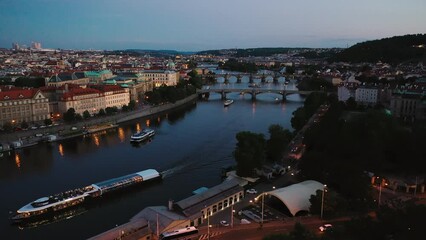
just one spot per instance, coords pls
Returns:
(212, 234)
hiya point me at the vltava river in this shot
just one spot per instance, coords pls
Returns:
(191, 146)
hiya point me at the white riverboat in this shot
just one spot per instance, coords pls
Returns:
(228, 102)
(142, 135)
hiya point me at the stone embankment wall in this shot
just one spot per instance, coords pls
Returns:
(116, 119)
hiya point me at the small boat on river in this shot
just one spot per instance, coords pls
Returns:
(142, 135)
(228, 102)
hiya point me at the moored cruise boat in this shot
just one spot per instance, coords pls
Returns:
(68, 199)
(142, 135)
(228, 102)
(54, 203)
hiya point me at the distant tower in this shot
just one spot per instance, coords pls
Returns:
(15, 46)
(36, 45)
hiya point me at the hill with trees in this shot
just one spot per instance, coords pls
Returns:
(392, 50)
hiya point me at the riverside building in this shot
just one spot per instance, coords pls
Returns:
(18, 105)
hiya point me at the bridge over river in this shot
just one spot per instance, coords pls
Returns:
(204, 93)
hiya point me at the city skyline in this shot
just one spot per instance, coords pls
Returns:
(192, 25)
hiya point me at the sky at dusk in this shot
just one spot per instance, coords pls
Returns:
(192, 25)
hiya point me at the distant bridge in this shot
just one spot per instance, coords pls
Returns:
(262, 77)
(253, 92)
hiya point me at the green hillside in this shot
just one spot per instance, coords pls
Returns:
(392, 50)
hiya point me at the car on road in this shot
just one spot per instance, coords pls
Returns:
(251, 191)
(224, 223)
(325, 227)
(245, 221)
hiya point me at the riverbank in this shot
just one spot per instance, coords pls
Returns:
(76, 129)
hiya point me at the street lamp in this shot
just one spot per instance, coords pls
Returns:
(380, 191)
(232, 216)
(322, 199)
(208, 225)
(263, 206)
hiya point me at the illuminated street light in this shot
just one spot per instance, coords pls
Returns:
(322, 199)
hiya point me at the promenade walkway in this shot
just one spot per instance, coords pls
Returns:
(32, 135)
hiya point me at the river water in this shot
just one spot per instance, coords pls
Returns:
(191, 146)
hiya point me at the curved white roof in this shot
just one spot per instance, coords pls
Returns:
(296, 197)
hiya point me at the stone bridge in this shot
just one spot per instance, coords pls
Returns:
(204, 93)
(251, 76)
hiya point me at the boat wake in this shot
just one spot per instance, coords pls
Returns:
(169, 172)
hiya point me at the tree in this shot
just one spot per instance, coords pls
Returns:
(7, 127)
(24, 125)
(290, 69)
(101, 112)
(332, 205)
(69, 115)
(153, 97)
(47, 121)
(125, 108)
(278, 140)
(78, 117)
(86, 114)
(299, 118)
(249, 152)
(192, 64)
(109, 111)
(351, 104)
(132, 105)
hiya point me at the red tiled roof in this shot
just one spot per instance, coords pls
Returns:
(79, 91)
(15, 94)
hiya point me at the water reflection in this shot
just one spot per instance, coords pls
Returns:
(147, 122)
(121, 134)
(138, 127)
(17, 160)
(96, 139)
(61, 150)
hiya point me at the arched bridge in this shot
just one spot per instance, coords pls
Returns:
(253, 92)
(251, 76)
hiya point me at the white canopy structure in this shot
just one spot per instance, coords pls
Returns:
(296, 197)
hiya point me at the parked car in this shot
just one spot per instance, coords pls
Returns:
(251, 191)
(224, 223)
(326, 227)
(245, 221)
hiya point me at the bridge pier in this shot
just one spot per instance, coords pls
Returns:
(251, 78)
(284, 97)
(263, 79)
(205, 95)
(223, 95)
(253, 95)
(226, 78)
(275, 80)
(238, 78)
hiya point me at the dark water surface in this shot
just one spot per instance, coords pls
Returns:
(191, 146)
